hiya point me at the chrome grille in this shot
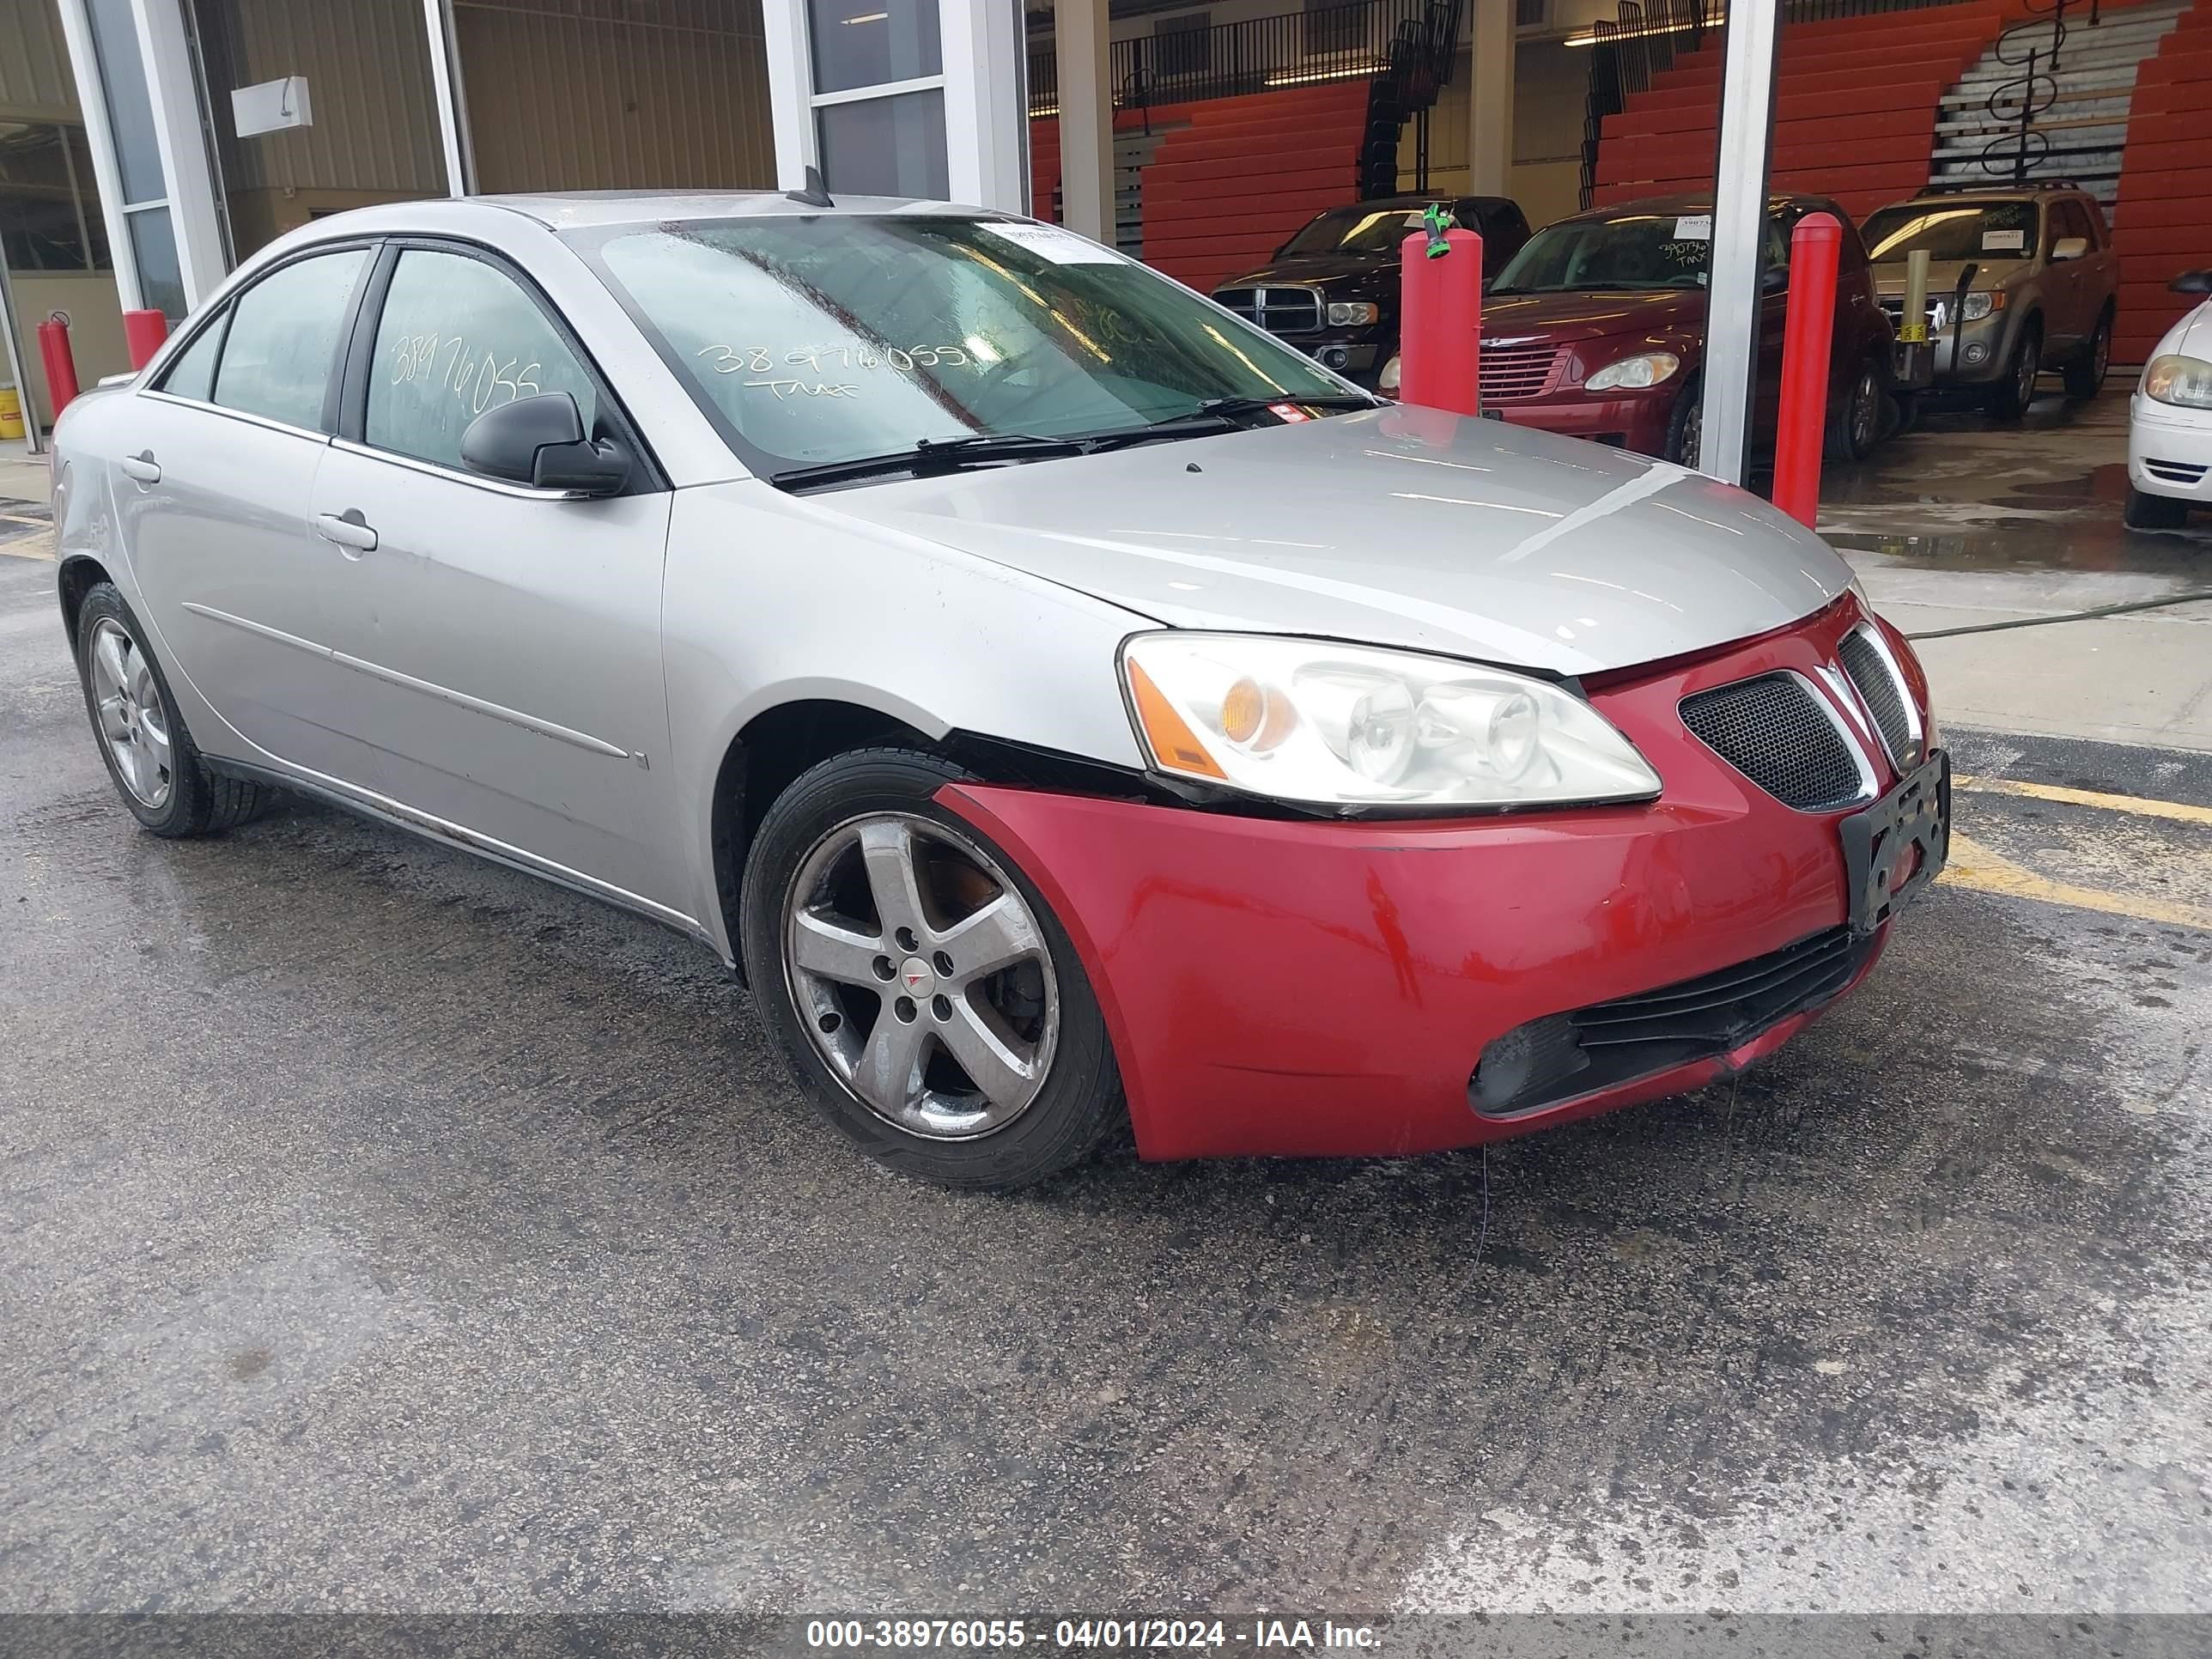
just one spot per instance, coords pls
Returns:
(1278, 310)
(1511, 372)
(1883, 692)
(1774, 731)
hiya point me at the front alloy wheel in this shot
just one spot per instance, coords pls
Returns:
(922, 975)
(918, 985)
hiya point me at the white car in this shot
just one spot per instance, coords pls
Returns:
(2170, 420)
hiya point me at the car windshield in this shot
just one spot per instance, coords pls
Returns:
(1953, 230)
(1633, 252)
(811, 339)
(1357, 230)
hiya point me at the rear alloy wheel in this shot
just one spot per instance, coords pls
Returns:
(2085, 375)
(2148, 511)
(2010, 400)
(157, 769)
(923, 993)
(1856, 428)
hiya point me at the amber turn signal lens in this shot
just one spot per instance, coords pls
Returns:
(1174, 744)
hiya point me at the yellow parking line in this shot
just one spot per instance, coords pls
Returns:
(2179, 812)
(1974, 865)
(32, 550)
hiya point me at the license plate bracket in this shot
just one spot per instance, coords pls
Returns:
(1880, 841)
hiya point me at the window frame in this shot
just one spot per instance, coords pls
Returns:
(220, 316)
(349, 416)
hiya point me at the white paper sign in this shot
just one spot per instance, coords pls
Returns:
(2004, 241)
(1694, 228)
(270, 106)
(1061, 247)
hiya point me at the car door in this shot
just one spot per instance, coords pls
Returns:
(1773, 324)
(509, 658)
(2083, 297)
(213, 495)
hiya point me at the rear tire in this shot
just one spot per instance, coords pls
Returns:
(880, 1053)
(2085, 375)
(150, 755)
(2009, 401)
(2148, 512)
(1855, 427)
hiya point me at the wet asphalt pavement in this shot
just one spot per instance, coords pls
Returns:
(384, 1231)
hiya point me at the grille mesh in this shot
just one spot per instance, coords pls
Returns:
(1510, 372)
(1884, 697)
(1772, 731)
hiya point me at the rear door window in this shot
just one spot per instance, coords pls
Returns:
(193, 375)
(281, 346)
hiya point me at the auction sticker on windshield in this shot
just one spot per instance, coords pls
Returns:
(1694, 228)
(1062, 247)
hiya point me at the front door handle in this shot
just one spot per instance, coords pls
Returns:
(348, 529)
(140, 466)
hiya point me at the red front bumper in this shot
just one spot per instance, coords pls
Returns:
(1636, 421)
(1297, 987)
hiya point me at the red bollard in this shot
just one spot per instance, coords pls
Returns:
(143, 333)
(61, 365)
(1440, 324)
(1810, 323)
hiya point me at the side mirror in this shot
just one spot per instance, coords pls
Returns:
(2069, 247)
(540, 441)
(2192, 282)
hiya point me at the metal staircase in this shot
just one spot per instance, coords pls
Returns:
(2049, 98)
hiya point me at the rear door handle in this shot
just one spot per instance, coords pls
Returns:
(140, 466)
(348, 529)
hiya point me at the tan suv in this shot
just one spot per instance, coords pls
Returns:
(2032, 271)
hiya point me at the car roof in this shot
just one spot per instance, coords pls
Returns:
(1656, 206)
(2000, 192)
(587, 209)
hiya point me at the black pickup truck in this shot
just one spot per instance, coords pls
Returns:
(1332, 290)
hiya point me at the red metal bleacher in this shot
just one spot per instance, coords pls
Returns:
(2162, 218)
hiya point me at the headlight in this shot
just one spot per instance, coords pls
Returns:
(1387, 381)
(1976, 306)
(1350, 315)
(2186, 382)
(1649, 369)
(1349, 724)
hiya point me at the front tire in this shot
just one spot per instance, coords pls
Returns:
(149, 752)
(1686, 426)
(2017, 391)
(924, 995)
(2148, 511)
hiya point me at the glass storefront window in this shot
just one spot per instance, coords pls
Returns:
(130, 106)
(161, 278)
(866, 43)
(886, 146)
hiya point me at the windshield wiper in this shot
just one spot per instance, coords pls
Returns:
(1232, 406)
(934, 455)
(1219, 415)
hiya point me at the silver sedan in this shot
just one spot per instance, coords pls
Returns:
(1069, 706)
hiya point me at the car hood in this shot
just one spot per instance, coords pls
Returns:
(1989, 272)
(1363, 271)
(1399, 526)
(1564, 317)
